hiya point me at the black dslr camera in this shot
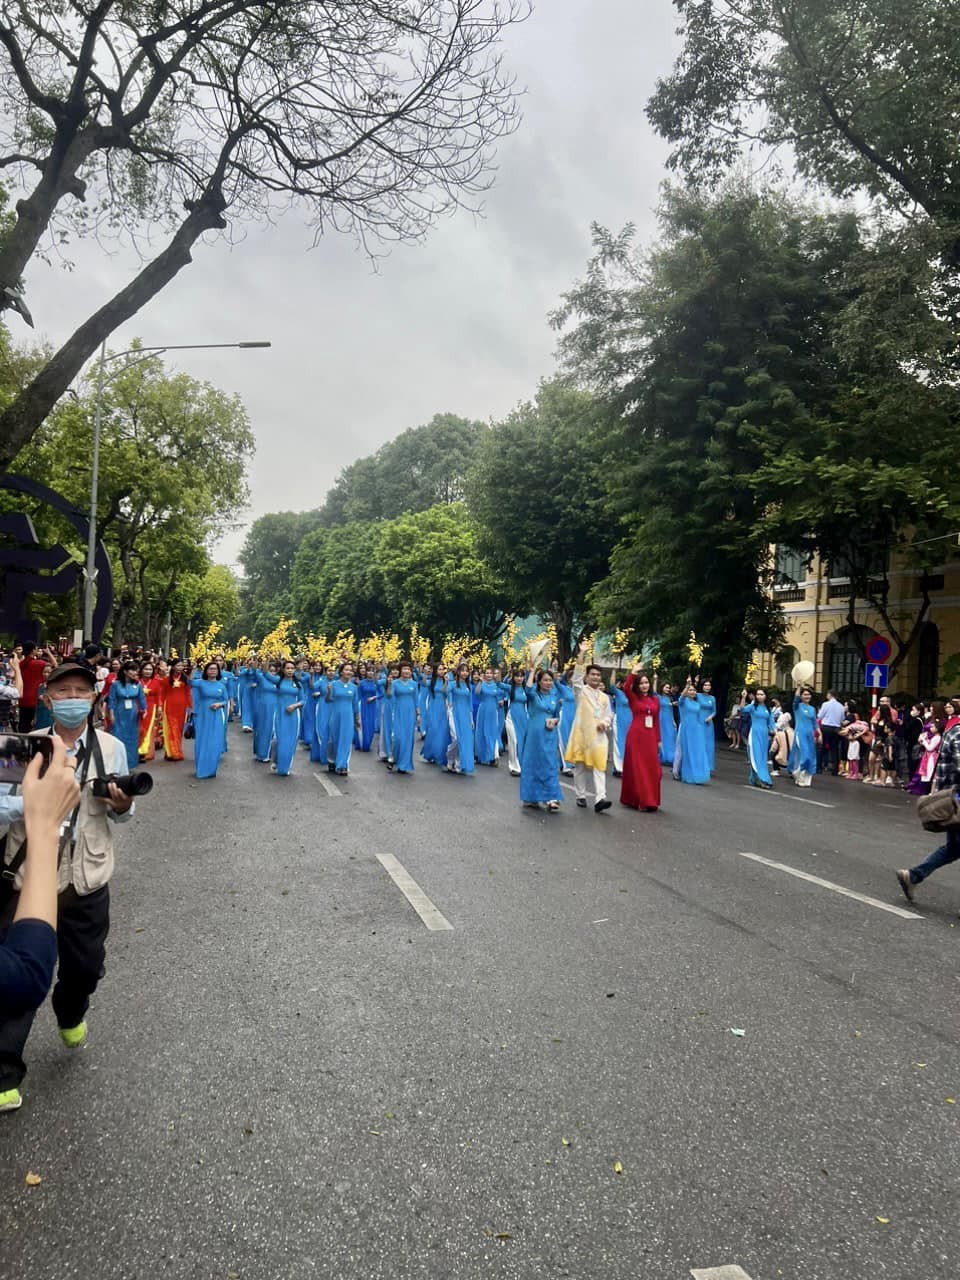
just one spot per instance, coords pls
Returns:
(131, 784)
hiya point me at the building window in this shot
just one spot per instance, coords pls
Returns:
(789, 567)
(844, 664)
(928, 660)
(872, 564)
(787, 659)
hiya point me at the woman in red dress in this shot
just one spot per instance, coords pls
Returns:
(640, 787)
(150, 722)
(177, 701)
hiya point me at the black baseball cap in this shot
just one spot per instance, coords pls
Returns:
(72, 669)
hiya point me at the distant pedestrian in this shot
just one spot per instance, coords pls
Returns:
(830, 719)
(947, 776)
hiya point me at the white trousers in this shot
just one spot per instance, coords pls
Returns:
(617, 757)
(580, 772)
(513, 757)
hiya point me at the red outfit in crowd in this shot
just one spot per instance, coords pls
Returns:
(640, 787)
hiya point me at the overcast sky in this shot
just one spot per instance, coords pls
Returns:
(457, 324)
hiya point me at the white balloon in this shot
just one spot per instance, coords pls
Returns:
(803, 672)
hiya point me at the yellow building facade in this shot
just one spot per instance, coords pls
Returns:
(815, 605)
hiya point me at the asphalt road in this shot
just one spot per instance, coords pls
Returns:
(288, 1075)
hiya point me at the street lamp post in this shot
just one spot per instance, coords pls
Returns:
(91, 571)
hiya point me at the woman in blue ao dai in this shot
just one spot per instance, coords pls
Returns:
(289, 704)
(406, 718)
(319, 682)
(690, 762)
(436, 741)
(568, 713)
(668, 725)
(516, 720)
(424, 681)
(126, 703)
(760, 720)
(487, 732)
(265, 713)
(369, 692)
(343, 702)
(540, 762)
(805, 742)
(708, 713)
(460, 753)
(622, 720)
(209, 719)
(385, 743)
(248, 696)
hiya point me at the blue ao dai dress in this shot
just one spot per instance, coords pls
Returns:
(263, 717)
(540, 762)
(691, 754)
(708, 707)
(805, 724)
(369, 692)
(287, 693)
(404, 694)
(209, 724)
(343, 702)
(127, 703)
(436, 740)
(319, 749)
(758, 744)
(460, 703)
(487, 734)
(668, 730)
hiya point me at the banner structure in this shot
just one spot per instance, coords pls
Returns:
(28, 568)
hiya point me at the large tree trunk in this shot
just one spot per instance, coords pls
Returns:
(25, 414)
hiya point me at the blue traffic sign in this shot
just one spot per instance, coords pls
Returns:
(878, 649)
(877, 673)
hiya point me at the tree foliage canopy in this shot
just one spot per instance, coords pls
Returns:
(374, 118)
(420, 468)
(538, 493)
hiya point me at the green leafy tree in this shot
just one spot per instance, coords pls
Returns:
(716, 349)
(335, 584)
(374, 118)
(433, 575)
(267, 557)
(172, 475)
(538, 495)
(421, 467)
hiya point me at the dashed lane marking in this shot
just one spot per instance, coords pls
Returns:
(835, 888)
(719, 1273)
(329, 786)
(405, 882)
(785, 795)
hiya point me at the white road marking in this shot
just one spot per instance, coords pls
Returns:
(785, 795)
(329, 787)
(837, 888)
(405, 882)
(719, 1273)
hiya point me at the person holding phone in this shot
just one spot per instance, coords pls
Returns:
(28, 952)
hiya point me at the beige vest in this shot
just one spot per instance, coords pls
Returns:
(92, 863)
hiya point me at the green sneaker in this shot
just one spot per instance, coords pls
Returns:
(74, 1037)
(10, 1100)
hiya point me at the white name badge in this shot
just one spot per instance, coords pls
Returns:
(128, 704)
(648, 722)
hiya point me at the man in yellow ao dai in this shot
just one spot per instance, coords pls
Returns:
(589, 737)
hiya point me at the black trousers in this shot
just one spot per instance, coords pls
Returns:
(831, 746)
(82, 927)
(25, 718)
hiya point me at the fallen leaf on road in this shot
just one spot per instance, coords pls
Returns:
(952, 1101)
(33, 1179)
(737, 1031)
(503, 1235)
(617, 1167)
(140, 930)
(919, 1065)
(885, 1221)
(375, 1133)
(565, 1141)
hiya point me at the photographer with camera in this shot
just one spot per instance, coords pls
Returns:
(85, 867)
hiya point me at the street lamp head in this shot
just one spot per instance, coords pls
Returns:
(254, 344)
